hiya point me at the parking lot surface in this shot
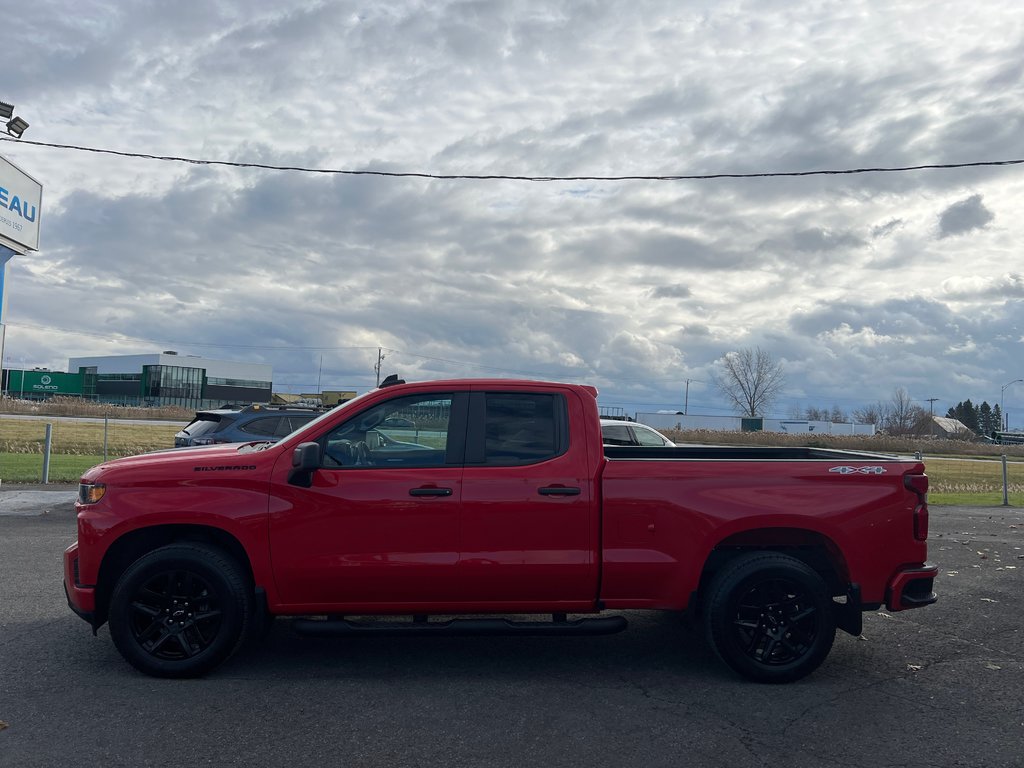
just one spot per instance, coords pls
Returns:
(941, 686)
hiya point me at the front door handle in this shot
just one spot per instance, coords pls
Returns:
(558, 490)
(430, 491)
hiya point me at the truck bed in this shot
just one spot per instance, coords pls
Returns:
(744, 453)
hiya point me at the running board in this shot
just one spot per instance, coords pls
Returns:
(606, 625)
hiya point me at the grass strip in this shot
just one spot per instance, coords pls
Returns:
(28, 467)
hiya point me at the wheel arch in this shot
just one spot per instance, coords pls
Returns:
(813, 548)
(134, 544)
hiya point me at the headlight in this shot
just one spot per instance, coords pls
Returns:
(90, 493)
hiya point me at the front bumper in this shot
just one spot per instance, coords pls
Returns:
(81, 599)
(912, 588)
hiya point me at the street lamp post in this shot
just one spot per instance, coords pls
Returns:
(1002, 410)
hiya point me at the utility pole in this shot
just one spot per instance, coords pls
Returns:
(686, 400)
(931, 405)
(380, 359)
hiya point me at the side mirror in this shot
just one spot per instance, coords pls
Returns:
(305, 461)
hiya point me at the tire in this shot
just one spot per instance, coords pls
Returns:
(770, 617)
(179, 611)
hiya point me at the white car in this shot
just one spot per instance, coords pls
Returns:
(617, 432)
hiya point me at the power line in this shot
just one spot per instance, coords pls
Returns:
(562, 376)
(164, 342)
(510, 177)
(290, 347)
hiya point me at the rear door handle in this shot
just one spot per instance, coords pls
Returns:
(558, 490)
(430, 491)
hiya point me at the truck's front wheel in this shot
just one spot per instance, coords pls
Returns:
(770, 617)
(180, 610)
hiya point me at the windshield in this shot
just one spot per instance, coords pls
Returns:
(326, 415)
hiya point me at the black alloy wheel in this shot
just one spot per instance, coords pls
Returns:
(770, 617)
(175, 615)
(776, 622)
(180, 610)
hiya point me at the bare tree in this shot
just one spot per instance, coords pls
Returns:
(875, 413)
(905, 418)
(750, 380)
(838, 415)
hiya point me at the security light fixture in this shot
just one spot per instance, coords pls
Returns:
(6, 110)
(16, 126)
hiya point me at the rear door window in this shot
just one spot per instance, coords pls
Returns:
(522, 428)
(265, 427)
(617, 434)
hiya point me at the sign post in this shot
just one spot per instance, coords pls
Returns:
(21, 201)
(5, 256)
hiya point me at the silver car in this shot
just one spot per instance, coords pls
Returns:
(617, 432)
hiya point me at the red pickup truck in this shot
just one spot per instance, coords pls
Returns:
(479, 499)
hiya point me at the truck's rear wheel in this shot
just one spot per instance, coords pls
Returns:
(180, 610)
(770, 617)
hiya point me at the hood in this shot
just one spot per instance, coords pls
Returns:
(180, 462)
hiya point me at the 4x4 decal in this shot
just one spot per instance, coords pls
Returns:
(858, 470)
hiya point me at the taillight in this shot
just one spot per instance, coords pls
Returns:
(919, 485)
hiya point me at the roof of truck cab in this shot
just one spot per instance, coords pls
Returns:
(495, 384)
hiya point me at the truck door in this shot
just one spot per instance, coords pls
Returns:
(379, 524)
(529, 528)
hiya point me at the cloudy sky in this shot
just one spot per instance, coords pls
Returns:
(858, 284)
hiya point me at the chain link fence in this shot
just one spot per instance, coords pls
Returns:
(982, 481)
(60, 450)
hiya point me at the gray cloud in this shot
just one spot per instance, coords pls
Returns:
(671, 292)
(964, 216)
(883, 230)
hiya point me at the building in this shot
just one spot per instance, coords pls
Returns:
(951, 429)
(167, 378)
(752, 424)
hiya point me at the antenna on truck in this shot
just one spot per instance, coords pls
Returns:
(391, 381)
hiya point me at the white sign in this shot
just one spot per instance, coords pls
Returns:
(21, 200)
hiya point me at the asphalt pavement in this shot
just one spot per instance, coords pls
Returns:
(936, 687)
(31, 501)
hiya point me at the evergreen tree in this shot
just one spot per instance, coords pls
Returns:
(985, 421)
(970, 419)
(966, 413)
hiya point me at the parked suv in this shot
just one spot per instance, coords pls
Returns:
(254, 422)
